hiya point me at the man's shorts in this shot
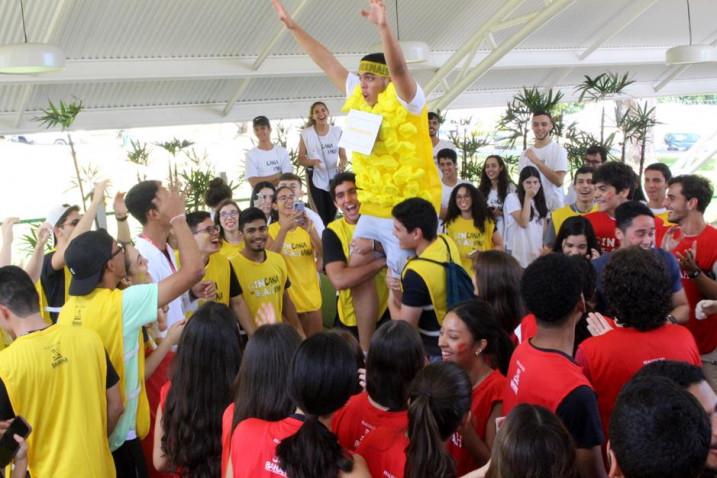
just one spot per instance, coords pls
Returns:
(381, 230)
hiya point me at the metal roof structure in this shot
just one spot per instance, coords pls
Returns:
(162, 62)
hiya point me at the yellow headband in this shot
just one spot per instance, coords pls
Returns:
(378, 69)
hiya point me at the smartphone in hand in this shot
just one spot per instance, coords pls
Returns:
(299, 209)
(8, 445)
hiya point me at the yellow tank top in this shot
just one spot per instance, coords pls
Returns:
(347, 314)
(101, 311)
(401, 164)
(560, 215)
(56, 379)
(469, 238)
(230, 250)
(434, 275)
(262, 282)
(298, 252)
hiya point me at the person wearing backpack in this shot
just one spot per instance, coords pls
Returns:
(432, 281)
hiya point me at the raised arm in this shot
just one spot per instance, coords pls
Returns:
(400, 75)
(7, 238)
(121, 215)
(34, 265)
(318, 52)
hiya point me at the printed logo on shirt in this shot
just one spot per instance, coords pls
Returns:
(297, 250)
(273, 467)
(266, 286)
(607, 243)
(57, 358)
(457, 440)
(468, 239)
(367, 427)
(515, 381)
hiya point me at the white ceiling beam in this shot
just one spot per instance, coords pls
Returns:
(167, 69)
(512, 22)
(631, 11)
(503, 49)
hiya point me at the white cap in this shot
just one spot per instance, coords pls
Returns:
(56, 213)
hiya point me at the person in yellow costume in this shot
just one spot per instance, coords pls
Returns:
(400, 165)
(97, 264)
(218, 270)
(60, 381)
(294, 236)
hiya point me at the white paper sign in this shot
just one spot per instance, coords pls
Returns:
(360, 131)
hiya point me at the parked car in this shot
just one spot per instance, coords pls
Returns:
(678, 141)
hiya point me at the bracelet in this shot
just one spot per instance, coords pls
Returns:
(177, 217)
(694, 274)
(121, 219)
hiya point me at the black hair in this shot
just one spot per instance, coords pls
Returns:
(479, 207)
(618, 175)
(662, 168)
(140, 199)
(194, 218)
(576, 226)
(504, 180)
(541, 209)
(637, 287)
(583, 170)
(682, 373)
(626, 212)
(543, 113)
(290, 177)
(375, 57)
(17, 292)
(433, 115)
(439, 399)
(192, 419)
(694, 186)
(479, 318)
(497, 276)
(218, 211)
(597, 149)
(353, 343)
(394, 357)
(447, 153)
(587, 274)
(255, 191)
(417, 213)
(339, 179)
(217, 191)
(250, 214)
(551, 289)
(659, 430)
(261, 383)
(321, 380)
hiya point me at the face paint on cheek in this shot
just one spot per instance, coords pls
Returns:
(462, 347)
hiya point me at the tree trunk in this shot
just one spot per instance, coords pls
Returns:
(602, 125)
(77, 170)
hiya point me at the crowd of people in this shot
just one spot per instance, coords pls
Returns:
(554, 327)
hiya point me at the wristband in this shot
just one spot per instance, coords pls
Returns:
(121, 219)
(695, 274)
(178, 216)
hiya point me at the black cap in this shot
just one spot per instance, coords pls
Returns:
(261, 121)
(86, 256)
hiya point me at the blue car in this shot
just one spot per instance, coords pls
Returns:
(678, 141)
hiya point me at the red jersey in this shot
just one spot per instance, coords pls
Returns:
(358, 417)
(384, 450)
(163, 392)
(604, 227)
(485, 396)
(154, 385)
(540, 377)
(254, 444)
(704, 331)
(227, 419)
(526, 329)
(610, 360)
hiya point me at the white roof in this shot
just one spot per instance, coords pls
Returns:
(163, 62)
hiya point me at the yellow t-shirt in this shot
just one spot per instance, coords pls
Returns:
(298, 252)
(56, 379)
(469, 238)
(229, 250)
(262, 282)
(560, 215)
(347, 315)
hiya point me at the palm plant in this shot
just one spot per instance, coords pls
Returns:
(174, 147)
(138, 155)
(640, 119)
(467, 141)
(600, 88)
(63, 116)
(519, 112)
(577, 143)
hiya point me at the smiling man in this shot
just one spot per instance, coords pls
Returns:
(655, 181)
(266, 161)
(614, 184)
(584, 190)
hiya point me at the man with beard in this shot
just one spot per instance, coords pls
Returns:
(434, 125)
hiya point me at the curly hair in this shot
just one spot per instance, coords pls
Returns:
(551, 288)
(638, 288)
(479, 207)
(192, 419)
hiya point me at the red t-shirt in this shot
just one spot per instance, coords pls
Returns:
(163, 392)
(154, 386)
(485, 396)
(704, 331)
(253, 446)
(604, 227)
(358, 417)
(610, 360)
(528, 327)
(384, 450)
(227, 419)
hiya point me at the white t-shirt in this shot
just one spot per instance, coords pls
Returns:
(260, 162)
(161, 266)
(326, 149)
(442, 144)
(415, 106)
(556, 158)
(494, 201)
(525, 244)
(447, 190)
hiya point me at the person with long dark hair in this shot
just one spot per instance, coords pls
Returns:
(439, 402)
(189, 426)
(526, 216)
(496, 279)
(470, 223)
(321, 379)
(261, 384)
(263, 196)
(394, 357)
(495, 185)
(472, 338)
(577, 237)
(226, 218)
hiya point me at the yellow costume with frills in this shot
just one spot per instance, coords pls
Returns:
(401, 164)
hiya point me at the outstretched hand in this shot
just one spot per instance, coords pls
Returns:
(283, 15)
(266, 315)
(376, 12)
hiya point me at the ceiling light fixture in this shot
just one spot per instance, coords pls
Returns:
(689, 54)
(30, 58)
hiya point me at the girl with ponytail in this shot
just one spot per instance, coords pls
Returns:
(439, 402)
(321, 379)
(472, 337)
